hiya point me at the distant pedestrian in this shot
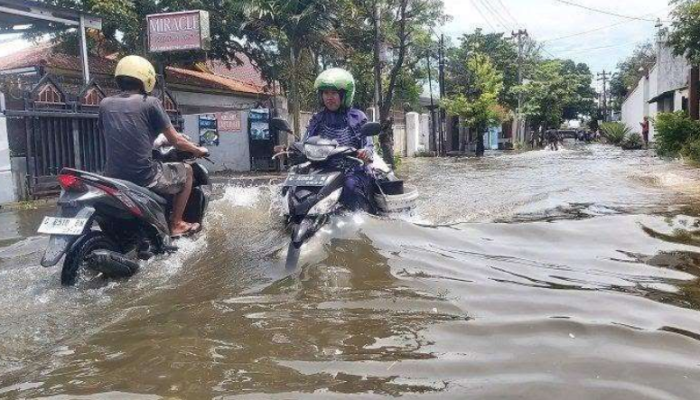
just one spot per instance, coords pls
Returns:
(645, 130)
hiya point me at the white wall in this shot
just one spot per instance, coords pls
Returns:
(424, 139)
(634, 106)
(412, 133)
(188, 99)
(232, 153)
(7, 186)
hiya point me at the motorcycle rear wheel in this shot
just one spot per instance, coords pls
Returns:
(76, 257)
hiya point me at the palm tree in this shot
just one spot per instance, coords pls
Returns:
(298, 25)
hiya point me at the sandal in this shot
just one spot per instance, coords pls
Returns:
(194, 228)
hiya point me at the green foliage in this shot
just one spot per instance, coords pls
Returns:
(479, 107)
(502, 52)
(675, 131)
(633, 141)
(558, 90)
(685, 35)
(691, 150)
(614, 132)
(630, 71)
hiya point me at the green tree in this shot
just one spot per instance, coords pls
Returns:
(580, 103)
(685, 35)
(478, 104)
(297, 25)
(547, 95)
(504, 56)
(630, 71)
(400, 30)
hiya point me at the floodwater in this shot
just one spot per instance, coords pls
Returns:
(540, 275)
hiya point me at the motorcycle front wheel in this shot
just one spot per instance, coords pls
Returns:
(76, 257)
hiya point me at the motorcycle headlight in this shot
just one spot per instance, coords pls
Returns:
(317, 153)
(326, 205)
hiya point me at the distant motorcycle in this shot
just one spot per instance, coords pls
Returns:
(108, 225)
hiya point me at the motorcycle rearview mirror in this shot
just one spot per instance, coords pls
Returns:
(371, 129)
(280, 125)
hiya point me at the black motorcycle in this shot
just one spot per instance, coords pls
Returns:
(108, 225)
(314, 186)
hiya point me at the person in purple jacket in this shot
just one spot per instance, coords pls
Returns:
(340, 121)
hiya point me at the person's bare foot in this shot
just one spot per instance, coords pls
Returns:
(182, 228)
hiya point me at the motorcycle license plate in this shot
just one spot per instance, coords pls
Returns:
(306, 180)
(62, 226)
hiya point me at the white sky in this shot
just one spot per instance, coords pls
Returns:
(544, 19)
(551, 19)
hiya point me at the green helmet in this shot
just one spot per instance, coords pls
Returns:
(340, 80)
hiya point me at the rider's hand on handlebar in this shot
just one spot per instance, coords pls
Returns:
(280, 149)
(202, 152)
(364, 155)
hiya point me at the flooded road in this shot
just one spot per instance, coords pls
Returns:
(541, 275)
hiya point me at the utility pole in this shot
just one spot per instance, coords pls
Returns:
(521, 34)
(441, 78)
(603, 77)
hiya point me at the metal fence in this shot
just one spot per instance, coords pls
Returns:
(54, 130)
(57, 140)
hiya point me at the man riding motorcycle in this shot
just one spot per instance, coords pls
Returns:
(340, 121)
(130, 122)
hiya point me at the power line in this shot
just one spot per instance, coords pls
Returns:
(614, 14)
(497, 17)
(597, 48)
(586, 32)
(508, 12)
(601, 28)
(483, 16)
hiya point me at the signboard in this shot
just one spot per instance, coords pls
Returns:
(229, 121)
(259, 121)
(208, 130)
(186, 30)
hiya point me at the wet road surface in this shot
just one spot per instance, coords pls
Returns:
(541, 275)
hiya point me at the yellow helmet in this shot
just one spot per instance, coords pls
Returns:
(138, 68)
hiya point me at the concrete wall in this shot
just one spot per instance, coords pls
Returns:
(412, 133)
(400, 145)
(673, 71)
(195, 103)
(634, 106)
(233, 151)
(7, 185)
(424, 133)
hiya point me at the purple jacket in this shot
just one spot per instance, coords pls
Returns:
(353, 118)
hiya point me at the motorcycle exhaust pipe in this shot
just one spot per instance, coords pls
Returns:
(112, 264)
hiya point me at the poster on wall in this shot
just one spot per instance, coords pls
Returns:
(259, 124)
(229, 121)
(208, 130)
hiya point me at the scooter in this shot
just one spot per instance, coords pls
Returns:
(107, 225)
(314, 186)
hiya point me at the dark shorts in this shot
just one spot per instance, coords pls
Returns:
(170, 179)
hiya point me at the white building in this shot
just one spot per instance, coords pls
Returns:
(663, 89)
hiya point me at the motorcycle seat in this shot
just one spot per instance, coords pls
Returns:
(129, 185)
(136, 188)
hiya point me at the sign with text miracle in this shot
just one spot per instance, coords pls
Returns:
(186, 30)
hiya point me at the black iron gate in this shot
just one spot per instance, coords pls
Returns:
(59, 140)
(60, 131)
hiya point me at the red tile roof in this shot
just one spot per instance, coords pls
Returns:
(247, 72)
(251, 81)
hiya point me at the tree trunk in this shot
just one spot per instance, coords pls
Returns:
(294, 92)
(480, 148)
(386, 138)
(693, 101)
